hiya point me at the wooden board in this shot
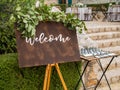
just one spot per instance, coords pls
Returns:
(53, 43)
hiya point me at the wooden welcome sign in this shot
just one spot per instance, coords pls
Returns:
(52, 44)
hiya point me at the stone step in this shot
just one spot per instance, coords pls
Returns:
(96, 27)
(108, 42)
(104, 35)
(102, 29)
(115, 63)
(114, 86)
(115, 49)
(112, 75)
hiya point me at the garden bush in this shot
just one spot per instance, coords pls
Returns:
(7, 35)
(14, 78)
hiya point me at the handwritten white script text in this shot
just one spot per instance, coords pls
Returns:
(43, 39)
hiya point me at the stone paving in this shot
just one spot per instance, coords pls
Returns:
(115, 86)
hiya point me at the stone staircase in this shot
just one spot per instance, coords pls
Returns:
(107, 37)
(105, 34)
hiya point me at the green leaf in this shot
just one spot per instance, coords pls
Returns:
(30, 27)
(12, 18)
(26, 25)
(33, 32)
(40, 18)
(18, 8)
(25, 21)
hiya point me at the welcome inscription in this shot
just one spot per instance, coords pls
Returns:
(53, 43)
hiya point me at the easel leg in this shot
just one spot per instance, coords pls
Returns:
(46, 77)
(48, 84)
(60, 75)
(48, 74)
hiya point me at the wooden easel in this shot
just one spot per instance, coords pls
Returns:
(48, 74)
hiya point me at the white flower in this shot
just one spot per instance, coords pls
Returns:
(54, 9)
(77, 28)
(37, 4)
(110, 4)
(79, 4)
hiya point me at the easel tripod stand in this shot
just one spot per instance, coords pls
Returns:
(48, 74)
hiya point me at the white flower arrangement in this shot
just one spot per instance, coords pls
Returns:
(55, 9)
(79, 4)
(110, 4)
(37, 4)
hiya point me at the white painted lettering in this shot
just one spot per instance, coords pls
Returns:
(43, 39)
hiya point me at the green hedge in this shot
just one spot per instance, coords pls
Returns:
(14, 78)
(7, 35)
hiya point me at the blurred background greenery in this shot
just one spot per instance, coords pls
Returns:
(7, 37)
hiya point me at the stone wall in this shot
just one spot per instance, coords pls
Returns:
(83, 1)
(51, 2)
(95, 1)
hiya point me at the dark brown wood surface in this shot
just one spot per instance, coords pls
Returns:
(48, 52)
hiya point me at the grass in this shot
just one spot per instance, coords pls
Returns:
(14, 78)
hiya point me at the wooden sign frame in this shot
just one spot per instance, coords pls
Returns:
(53, 43)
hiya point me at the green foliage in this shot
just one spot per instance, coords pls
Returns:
(14, 78)
(27, 19)
(7, 36)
